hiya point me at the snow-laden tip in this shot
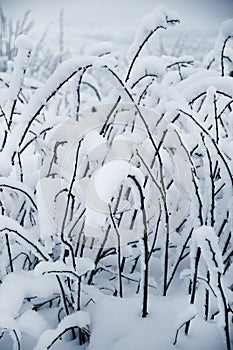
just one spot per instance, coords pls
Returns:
(100, 48)
(225, 33)
(23, 42)
(159, 18)
(226, 28)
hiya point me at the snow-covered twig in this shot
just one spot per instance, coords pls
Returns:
(144, 249)
(12, 227)
(187, 315)
(214, 143)
(79, 319)
(118, 252)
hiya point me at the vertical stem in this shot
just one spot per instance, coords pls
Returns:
(65, 306)
(9, 252)
(166, 248)
(156, 233)
(194, 284)
(162, 191)
(69, 198)
(179, 260)
(207, 298)
(145, 252)
(146, 266)
(118, 253)
(78, 93)
(99, 255)
(226, 319)
(79, 294)
(212, 207)
(222, 55)
(20, 167)
(216, 119)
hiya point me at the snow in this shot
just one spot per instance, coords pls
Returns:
(149, 65)
(126, 331)
(83, 265)
(91, 141)
(9, 324)
(159, 18)
(23, 42)
(46, 274)
(32, 323)
(197, 83)
(226, 28)
(46, 190)
(11, 299)
(11, 184)
(207, 240)
(108, 178)
(20, 234)
(225, 32)
(78, 319)
(64, 71)
(208, 58)
(100, 48)
(46, 267)
(95, 219)
(184, 316)
(24, 45)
